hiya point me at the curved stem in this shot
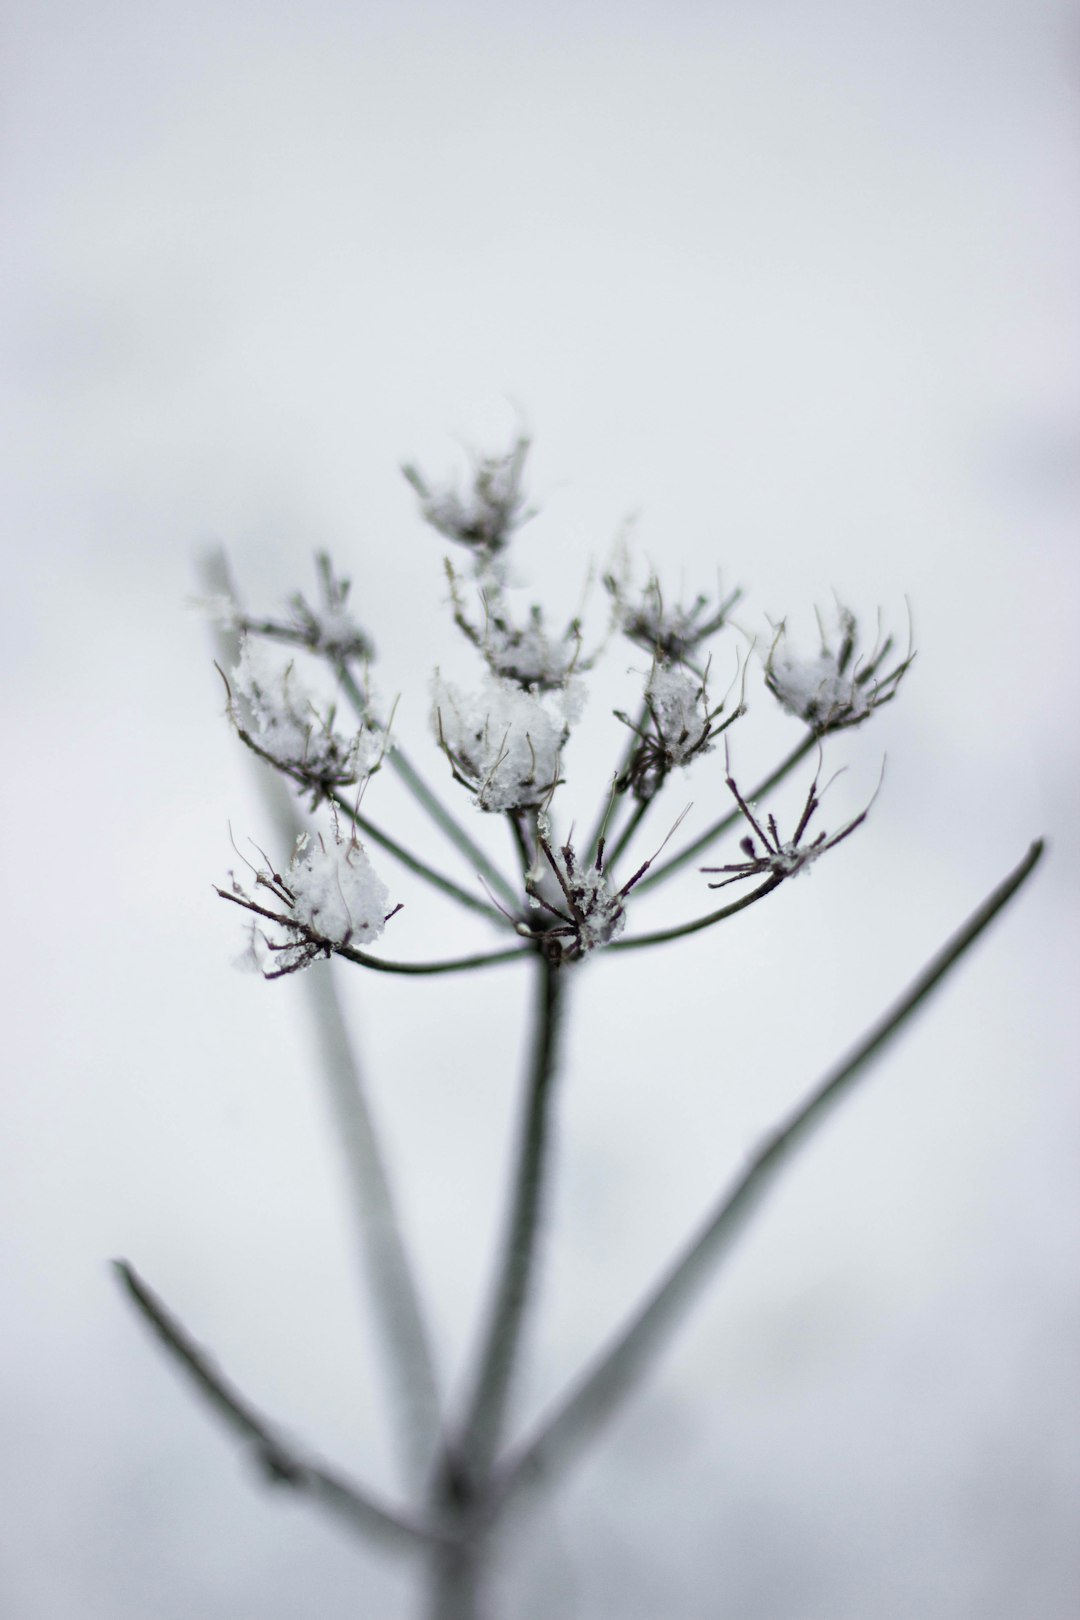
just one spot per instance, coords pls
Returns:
(604, 1387)
(663, 934)
(725, 824)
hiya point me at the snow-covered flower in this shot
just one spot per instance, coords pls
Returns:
(484, 517)
(330, 899)
(523, 653)
(329, 629)
(679, 725)
(503, 742)
(583, 911)
(288, 729)
(777, 857)
(670, 631)
(837, 687)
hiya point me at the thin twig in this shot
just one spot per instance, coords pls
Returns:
(602, 1388)
(279, 1458)
(725, 824)
(612, 856)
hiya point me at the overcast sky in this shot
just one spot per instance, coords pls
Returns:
(793, 287)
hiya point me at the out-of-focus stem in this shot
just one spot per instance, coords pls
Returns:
(605, 1386)
(280, 1459)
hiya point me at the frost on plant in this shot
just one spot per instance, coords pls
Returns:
(288, 729)
(503, 742)
(329, 899)
(837, 687)
(483, 517)
(669, 630)
(678, 725)
(565, 899)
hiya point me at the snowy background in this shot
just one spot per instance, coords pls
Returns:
(796, 286)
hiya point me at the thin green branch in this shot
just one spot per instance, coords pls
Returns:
(414, 863)
(496, 1364)
(725, 824)
(278, 1457)
(612, 856)
(604, 1387)
(621, 770)
(681, 929)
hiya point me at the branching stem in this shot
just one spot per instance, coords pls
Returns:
(604, 1387)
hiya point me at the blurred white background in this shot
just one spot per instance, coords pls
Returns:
(795, 285)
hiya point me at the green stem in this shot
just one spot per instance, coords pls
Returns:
(612, 857)
(485, 1409)
(414, 864)
(661, 935)
(675, 862)
(604, 1387)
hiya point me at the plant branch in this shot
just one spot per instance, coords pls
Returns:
(413, 862)
(603, 1387)
(684, 856)
(279, 1459)
(663, 934)
(485, 1410)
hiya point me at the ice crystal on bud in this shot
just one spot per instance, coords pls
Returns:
(329, 899)
(836, 688)
(288, 729)
(670, 631)
(485, 517)
(679, 726)
(503, 742)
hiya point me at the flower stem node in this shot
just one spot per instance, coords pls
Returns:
(839, 687)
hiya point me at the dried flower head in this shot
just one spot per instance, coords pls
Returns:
(486, 516)
(679, 725)
(837, 688)
(288, 729)
(330, 899)
(526, 653)
(329, 629)
(779, 858)
(669, 631)
(503, 742)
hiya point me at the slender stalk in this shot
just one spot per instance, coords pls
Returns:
(612, 856)
(399, 761)
(605, 1386)
(496, 1364)
(621, 770)
(414, 863)
(684, 856)
(388, 1272)
(282, 1462)
(663, 934)
(406, 1354)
